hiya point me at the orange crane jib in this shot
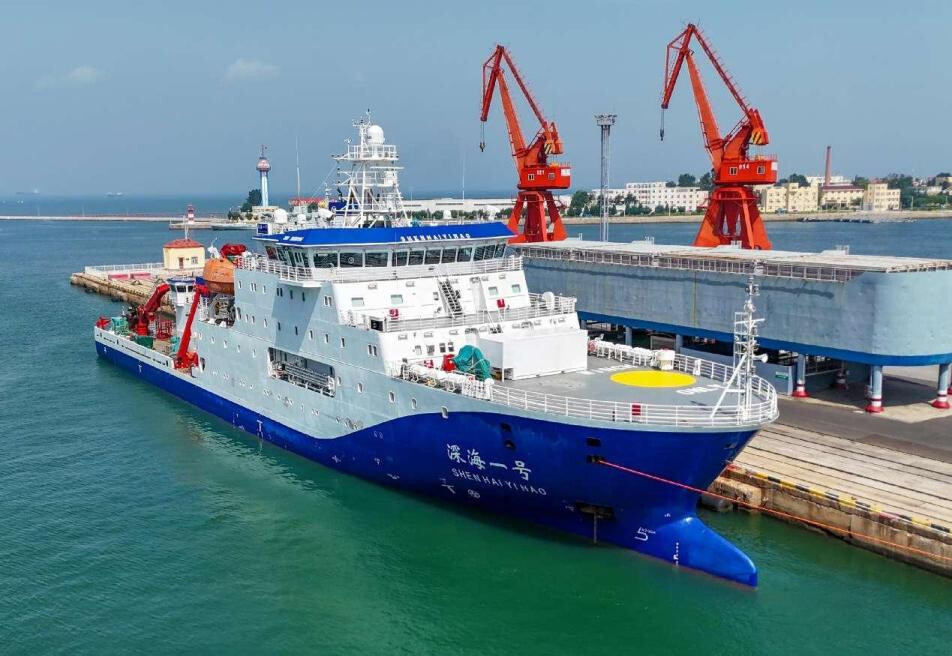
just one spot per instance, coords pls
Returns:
(537, 176)
(732, 213)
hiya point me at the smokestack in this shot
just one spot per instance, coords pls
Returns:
(829, 166)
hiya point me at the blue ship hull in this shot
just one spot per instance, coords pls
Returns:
(542, 471)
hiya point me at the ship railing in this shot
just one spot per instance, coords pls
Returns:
(255, 262)
(106, 269)
(827, 273)
(539, 306)
(757, 407)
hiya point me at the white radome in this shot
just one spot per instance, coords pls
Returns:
(280, 216)
(375, 134)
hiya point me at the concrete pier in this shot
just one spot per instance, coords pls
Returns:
(894, 503)
(136, 291)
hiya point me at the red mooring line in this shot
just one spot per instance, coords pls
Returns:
(778, 513)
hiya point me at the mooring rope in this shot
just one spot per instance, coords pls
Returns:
(771, 511)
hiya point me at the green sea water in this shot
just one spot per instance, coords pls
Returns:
(132, 523)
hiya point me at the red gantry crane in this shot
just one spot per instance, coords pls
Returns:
(537, 176)
(732, 213)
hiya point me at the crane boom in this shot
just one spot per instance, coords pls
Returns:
(537, 176)
(732, 213)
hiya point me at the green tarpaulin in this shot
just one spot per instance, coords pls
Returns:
(470, 360)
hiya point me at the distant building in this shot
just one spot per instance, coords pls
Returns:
(789, 197)
(840, 197)
(654, 194)
(489, 206)
(878, 197)
(183, 255)
(838, 180)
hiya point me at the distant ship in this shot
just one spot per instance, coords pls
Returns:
(114, 194)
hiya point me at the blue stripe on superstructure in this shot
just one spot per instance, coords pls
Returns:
(412, 452)
(349, 236)
(796, 347)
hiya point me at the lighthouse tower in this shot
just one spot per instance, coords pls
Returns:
(263, 167)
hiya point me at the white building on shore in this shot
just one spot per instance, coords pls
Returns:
(488, 206)
(655, 194)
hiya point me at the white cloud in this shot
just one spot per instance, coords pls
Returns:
(79, 76)
(249, 69)
(84, 75)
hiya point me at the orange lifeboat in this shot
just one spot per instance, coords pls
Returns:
(219, 275)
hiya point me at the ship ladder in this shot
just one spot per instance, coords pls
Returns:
(450, 298)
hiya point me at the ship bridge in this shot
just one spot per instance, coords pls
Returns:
(840, 314)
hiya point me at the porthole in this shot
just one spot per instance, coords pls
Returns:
(444, 411)
(360, 388)
(413, 404)
(393, 397)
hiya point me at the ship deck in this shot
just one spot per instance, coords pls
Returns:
(596, 383)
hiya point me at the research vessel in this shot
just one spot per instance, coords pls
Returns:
(416, 357)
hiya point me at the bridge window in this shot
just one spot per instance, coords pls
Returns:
(325, 259)
(449, 255)
(352, 259)
(500, 249)
(376, 258)
(416, 257)
(484, 252)
(433, 255)
(400, 258)
(465, 254)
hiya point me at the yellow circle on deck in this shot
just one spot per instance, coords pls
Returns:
(653, 378)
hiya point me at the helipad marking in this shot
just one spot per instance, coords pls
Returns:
(653, 378)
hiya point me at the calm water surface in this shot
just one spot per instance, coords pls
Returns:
(132, 523)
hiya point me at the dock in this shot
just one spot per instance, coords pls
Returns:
(128, 283)
(894, 503)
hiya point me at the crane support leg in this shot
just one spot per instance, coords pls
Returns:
(732, 215)
(541, 214)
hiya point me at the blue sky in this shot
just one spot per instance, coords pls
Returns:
(170, 97)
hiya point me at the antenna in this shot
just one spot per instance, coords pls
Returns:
(297, 162)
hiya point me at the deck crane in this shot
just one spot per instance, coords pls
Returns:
(537, 176)
(732, 213)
